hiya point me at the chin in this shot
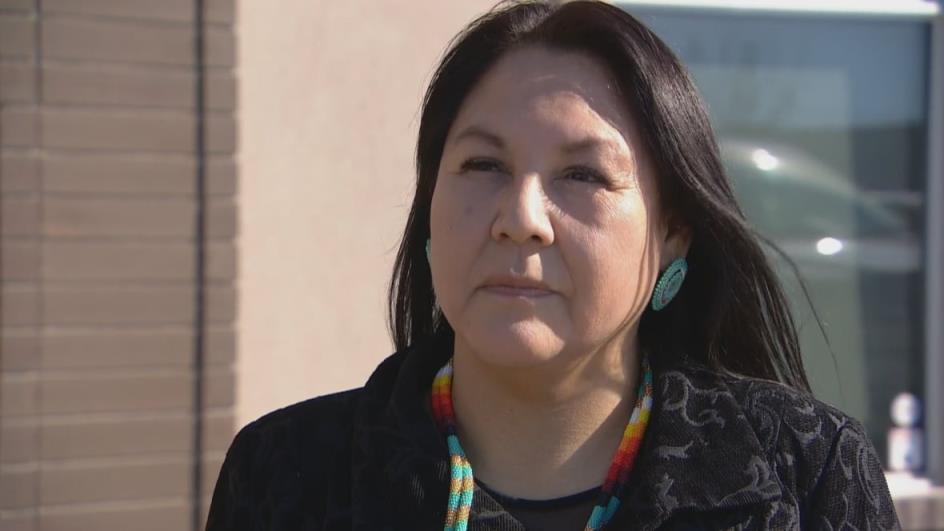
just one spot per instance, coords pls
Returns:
(515, 344)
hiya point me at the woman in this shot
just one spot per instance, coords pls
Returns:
(589, 336)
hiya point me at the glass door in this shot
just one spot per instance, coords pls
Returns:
(822, 122)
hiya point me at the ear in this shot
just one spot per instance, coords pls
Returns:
(676, 240)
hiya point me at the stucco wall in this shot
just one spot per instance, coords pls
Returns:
(329, 100)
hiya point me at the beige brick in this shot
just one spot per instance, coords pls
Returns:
(115, 306)
(19, 260)
(20, 348)
(17, 82)
(220, 46)
(218, 434)
(221, 219)
(219, 388)
(165, 10)
(118, 261)
(220, 133)
(166, 517)
(221, 261)
(169, 391)
(66, 349)
(124, 217)
(18, 395)
(17, 35)
(71, 349)
(98, 40)
(142, 130)
(220, 345)
(23, 520)
(110, 482)
(82, 438)
(85, 84)
(20, 305)
(18, 442)
(134, 174)
(221, 11)
(17, 487)
(19, 216)
(119, 174)
(134, 261)
(220, 90)
(218, 11)
(17, 5)
(148, 391)
(221, 176)
(221, 304)
(18, 127)
(104, 85)
(19, 172)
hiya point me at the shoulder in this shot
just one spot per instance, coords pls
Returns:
(795, 432)
(801, 432)
(813, 449)
(275, 460)
(802, 419)
(332, 405)
(771, 408)
(311, 434)
(323, 422)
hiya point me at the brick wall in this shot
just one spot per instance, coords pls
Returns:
(98, 260)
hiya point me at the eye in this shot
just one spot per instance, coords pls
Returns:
(483, 165)
(584, 174)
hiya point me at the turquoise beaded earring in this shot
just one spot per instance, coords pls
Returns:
(669, 284)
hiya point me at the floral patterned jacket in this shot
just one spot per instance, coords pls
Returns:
(720, 452)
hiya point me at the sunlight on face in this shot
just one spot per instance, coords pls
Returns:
(546, 235)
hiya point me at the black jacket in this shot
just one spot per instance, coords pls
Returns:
(720, 452)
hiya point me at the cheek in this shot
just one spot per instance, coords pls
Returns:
(614, 266)
(458, 228)
(459, 208)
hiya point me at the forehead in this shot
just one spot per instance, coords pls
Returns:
(570, 91)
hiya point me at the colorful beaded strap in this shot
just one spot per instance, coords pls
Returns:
(462, 484)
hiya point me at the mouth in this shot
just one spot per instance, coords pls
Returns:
(516, 286)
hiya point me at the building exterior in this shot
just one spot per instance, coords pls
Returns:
(151, 305)
(100, 152)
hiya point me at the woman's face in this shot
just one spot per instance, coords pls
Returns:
(546, 232)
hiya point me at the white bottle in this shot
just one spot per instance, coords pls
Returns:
(906, 439)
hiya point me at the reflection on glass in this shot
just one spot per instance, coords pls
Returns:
(822, 129)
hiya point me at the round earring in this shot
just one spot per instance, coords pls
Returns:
(669, 284)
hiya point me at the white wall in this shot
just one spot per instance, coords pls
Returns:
(329, 100)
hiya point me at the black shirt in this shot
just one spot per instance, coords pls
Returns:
(720, 452)
(567, 513)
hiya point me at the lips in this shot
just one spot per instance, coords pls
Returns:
(516, 286)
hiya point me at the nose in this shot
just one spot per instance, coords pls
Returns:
(523, 213)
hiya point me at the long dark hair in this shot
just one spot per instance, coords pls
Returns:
(731, 313)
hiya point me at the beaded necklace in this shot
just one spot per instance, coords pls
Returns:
(462, 484)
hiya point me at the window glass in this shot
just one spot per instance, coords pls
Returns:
(821, 122)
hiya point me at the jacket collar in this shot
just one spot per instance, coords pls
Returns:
(699, 453)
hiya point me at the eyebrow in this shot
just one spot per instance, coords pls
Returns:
(586, 144)
(474, 131)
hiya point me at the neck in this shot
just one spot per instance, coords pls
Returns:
(548, 430)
